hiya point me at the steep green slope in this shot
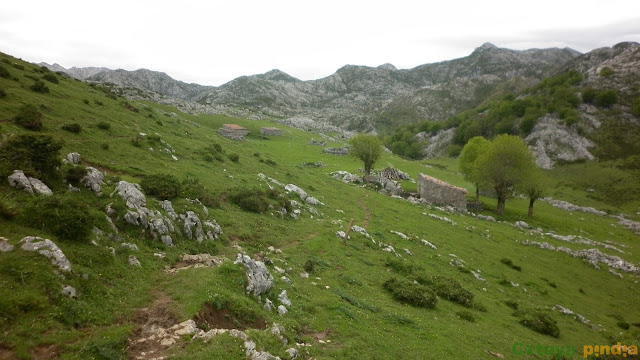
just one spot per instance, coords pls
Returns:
(342, 310)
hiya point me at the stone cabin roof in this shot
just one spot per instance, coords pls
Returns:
(443, 183)
(234, 127)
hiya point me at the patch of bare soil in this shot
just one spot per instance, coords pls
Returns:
(149, 320)
(7, 354)
(44, 352)
(367, 213)
(211, 318)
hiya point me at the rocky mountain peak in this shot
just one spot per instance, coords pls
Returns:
(277, 75)
(387, 66)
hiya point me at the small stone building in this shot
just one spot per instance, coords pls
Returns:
(233, 131)
(439, 192)
(270, 131)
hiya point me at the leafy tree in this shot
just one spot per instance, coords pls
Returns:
(367, 148)
(534, 187)
(467, 160)
(505, 164)
(37, 155)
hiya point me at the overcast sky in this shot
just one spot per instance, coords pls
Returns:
(212, 42)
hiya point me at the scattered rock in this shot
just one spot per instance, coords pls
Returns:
(260, 280)
(407, 251)
(4, 245)
(485, 217)
(129, 246)
(346, 177)
(521, 225)
(72, 158)
(442, 218)
(192, 226)
(268, 305)
(578, 317)
(571, 207)
(31, 185)
(69, 291)
(477, 275)
(47, 248)
(93, 180)
(282, 310)
(133, 261)
(405, 237)
(629, 224)
(292, 352)
(168, 207)
(425, 242)
(284, 299)
(293, 188)
(341, 234)
(131, 194)
(312, 201)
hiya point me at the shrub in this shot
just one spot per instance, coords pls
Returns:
(193, 189)
(86, 101)
(161, 186)
(6, 212)
(37, 155)
(249, 199)
(29, 117)
(234, 157)
(98, 102)
(66, 218)
(72, 127)
(606, 98)
(73, 174)
(4, 72)
(510, 264)
(3, 93)
(40, 87)
(104, 146)
(103, 125)
(51, 77)
(449, 289)
(606, 71)
(401, 266)
(406, 291)
(635, 107)
(623, 325)
(588, 95)
(18, 66)
(512, 304)
(466, 315)
(538, 322)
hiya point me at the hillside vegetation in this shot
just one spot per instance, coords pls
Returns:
(412, 281)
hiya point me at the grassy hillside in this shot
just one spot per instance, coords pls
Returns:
(347, 308)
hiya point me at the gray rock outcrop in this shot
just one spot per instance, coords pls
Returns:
(47, 248)
(4, 245)
(69, 291)
(31, 185)
(296, 189)
(260, 280)
(284, 299)
(72, 158)
(131, 194)
(93, 180)
(551, 140)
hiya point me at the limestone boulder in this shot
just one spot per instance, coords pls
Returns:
(31, 185)
(47, 248)
(260, 280)
(131, 193)
(93, 180)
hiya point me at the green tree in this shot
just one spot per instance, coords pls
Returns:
(534, 187)
(37, 155)
(367, 148)
(505, 164)
(466, 162)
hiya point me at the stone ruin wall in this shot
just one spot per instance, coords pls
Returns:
(438, 192)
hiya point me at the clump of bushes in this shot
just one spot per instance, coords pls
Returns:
(408, 292)
(29, 117)
(449, 289)
(3, 93)
(4, 72)
(98, 102)
(401, 266)
(510, 264)
(6, 212)
(193, 189)
(603, 98)
(37, 155)
(39, 87)
(234, 157)
(64, 217)
(161, 186)
(249, 199)
(606, 71)
(72, 127)
(73, 174)
(538, 322)
(103, 125)
(51, 77)
(466, 315)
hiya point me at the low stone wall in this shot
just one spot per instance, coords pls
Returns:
(270, 131)
(436, 191)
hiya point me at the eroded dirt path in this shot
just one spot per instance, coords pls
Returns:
(367, 213)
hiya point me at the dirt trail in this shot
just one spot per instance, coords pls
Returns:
(367, 213)
(159, 314)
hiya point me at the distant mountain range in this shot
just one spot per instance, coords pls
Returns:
(355, 97)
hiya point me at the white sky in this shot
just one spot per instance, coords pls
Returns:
(212, 42)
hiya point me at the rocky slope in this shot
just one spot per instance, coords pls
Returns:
(360, 97)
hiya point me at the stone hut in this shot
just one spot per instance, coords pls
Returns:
(436, 191)
(270, 131)
(233, 131)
